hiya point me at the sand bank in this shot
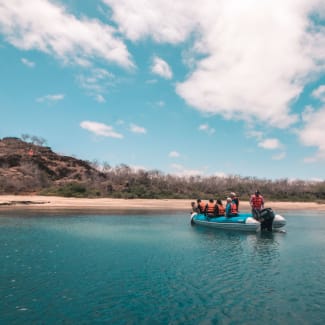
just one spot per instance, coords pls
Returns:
(53, 203)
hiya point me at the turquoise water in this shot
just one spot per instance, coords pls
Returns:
(143, 269)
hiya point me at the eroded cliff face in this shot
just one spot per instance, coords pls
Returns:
(26, 167)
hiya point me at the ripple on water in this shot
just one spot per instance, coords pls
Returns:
(158, 270)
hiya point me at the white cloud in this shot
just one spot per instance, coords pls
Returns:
(319, 93)
(255, 134)
(28, 63)
(177, 166)
(180, 170)
(307, 113)
(50, 98)
(203, 127)
(96, 82)
(279, 156)
(163, 20)
(100, 99)
(160, 103)
(270, 144)
(151, 81)
(137, 168)
(206, 128)
(313, 134)
(161, 68)
(137, 129)
(174, 154)
(251, 58)
(100, 129)
(316, 180)
(48, 27)
(221, 174)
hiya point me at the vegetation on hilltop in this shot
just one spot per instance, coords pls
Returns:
(26, 166)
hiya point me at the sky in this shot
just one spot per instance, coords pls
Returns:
(200, 87)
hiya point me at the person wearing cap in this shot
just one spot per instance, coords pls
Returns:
(235, 199)
(257, 204)
(231, 208)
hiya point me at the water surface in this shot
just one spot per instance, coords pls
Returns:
(140, 269)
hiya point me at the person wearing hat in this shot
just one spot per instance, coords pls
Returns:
(257, 204)
(235, 199)
(231, 208)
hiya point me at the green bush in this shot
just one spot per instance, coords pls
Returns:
(68, 190)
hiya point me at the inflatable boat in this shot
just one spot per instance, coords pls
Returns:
(268, 220)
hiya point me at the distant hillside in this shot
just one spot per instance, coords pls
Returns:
(26, 167)
(30, 167)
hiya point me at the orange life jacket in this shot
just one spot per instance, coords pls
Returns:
(201, 207)
(210, 208)
(222, 210)
(257, 201)
(233, 208)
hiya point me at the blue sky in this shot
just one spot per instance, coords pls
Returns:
(209, 87)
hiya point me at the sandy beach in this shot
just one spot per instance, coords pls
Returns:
(53, 203)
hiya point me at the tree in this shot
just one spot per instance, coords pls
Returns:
(38, 140)
(33, 139)
(25, 136)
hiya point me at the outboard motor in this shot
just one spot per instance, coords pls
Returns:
(266, 217)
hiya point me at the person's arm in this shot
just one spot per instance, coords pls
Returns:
(206, 209)
(227, 209)
(262, 203)
(199, 207)
(194, 209)
(216, 210)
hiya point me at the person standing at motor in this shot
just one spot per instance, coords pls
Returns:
(257, 204)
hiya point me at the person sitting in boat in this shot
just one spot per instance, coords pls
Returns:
(221, 211)
(257, 204)
(210, 209)
(231, 208)
(195, 208)
(235, 199)
(201, 206)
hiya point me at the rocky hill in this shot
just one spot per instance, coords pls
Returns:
(30, 167)
(26, 167)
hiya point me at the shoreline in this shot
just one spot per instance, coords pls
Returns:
(109, 205)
